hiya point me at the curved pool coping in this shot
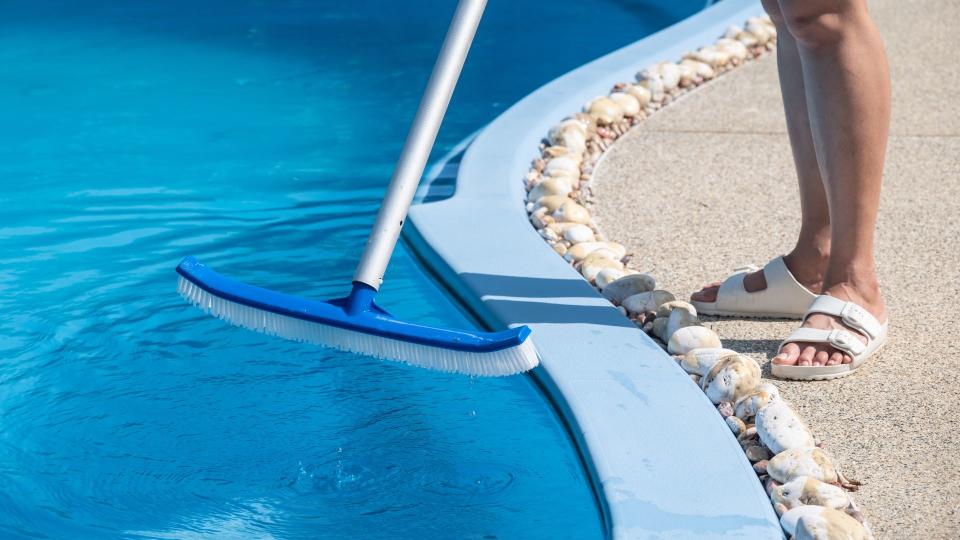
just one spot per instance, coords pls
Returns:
(661, 460)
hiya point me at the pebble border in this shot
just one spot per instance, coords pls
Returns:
(805, 487)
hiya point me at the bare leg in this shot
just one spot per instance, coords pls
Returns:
(848, 99)
(808, 260)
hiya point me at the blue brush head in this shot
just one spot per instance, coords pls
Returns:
(356, 312)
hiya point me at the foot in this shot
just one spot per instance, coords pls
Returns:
(822, 354)
(806, 269)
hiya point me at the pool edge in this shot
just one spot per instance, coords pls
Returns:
(528, 283)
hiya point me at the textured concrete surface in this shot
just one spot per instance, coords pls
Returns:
(708, 184)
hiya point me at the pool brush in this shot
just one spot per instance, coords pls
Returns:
(356, 323)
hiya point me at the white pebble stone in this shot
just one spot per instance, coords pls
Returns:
(679, 318)
(669, 74)
(578, 233)
(796, 462)
(732, 377)
(551, 202)
(580, 251)
(733, 47)
(748, 406)
(780, 428)
(701, 361)
(549, 234)
(608, 276)
(590, 269)
(629, 104)
(572, 212)
(560, 165)
(736, 425)
(640, 93)
(732, 32)
(551, 186)
(570, 124)
(627, 286)
(702, 69)
(686, 339)
(647, 301)
(604, 110)
(665, 309)
(805, 490)
(819, 523)
(653, 84)
(760, 31)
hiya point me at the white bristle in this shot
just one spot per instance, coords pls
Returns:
(510, 361)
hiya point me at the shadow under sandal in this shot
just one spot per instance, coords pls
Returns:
(784, 297)
(852, 316)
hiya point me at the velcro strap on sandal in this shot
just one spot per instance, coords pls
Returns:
(845, 341)
(839, 339)
(852, 315)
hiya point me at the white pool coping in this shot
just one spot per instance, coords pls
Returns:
(662, 461)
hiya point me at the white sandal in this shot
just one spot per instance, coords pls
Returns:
(784, 297)
(852, 316)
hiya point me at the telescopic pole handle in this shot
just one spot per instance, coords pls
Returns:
(416, 150)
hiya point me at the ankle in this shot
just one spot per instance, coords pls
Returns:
(861, 288)
(865, 284)
(808, 264)
(814, 247)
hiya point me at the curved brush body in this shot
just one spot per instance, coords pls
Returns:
(356, 324)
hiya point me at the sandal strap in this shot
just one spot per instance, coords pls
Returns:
(849, 313)
(838, 338)
(783, 292)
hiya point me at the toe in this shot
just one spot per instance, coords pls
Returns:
(835, 359)
(821, 358)
(847, 359)
(806, 357)
(788, 355)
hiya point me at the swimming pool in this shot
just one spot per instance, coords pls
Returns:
(259, 136)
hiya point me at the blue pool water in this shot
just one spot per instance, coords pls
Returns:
(257, 135)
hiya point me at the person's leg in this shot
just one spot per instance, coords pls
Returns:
(808, 259)
(848, 98)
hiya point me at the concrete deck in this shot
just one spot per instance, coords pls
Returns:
(708, 184)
